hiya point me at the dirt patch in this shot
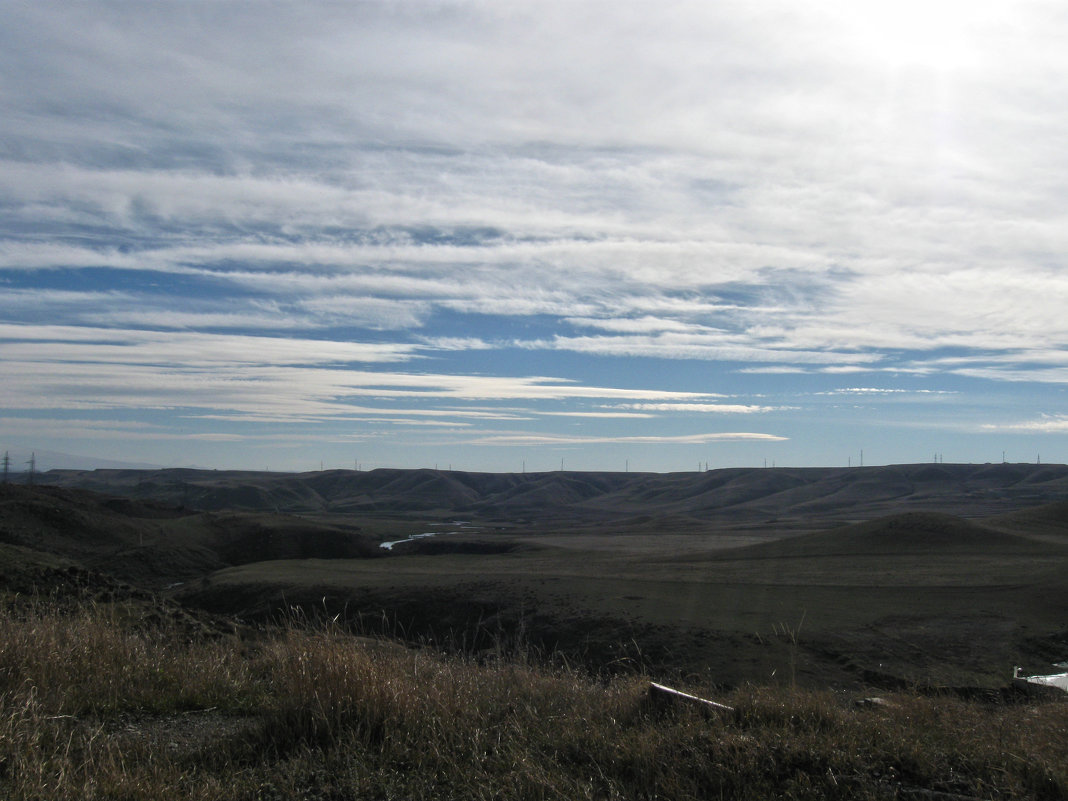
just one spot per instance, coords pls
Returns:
(182, 735)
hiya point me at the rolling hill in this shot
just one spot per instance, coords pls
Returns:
(804, 498)
(151, 543)
(933, 534)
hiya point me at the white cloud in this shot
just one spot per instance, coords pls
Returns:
(1046, 424)
(170, 318)
(774, 369)
(72, 344)
(379, 314)
(257, 378)
(1033, 375)
(565, 439)
(605, 415)
(76, 424)
(641, 325)
(457, 343)
(70, 429)
(883, 391)
(700, 345)
(704, 408)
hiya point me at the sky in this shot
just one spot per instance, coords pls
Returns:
(511, 236)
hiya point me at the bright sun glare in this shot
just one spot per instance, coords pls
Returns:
(933, 34)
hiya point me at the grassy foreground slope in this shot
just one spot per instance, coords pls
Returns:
(91, 708)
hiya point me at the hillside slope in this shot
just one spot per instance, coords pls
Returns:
(933, 534)
(787, 497)
(148, 541)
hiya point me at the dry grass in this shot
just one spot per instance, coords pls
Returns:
(92, 709)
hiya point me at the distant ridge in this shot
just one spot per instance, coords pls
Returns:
(45, 460)
(779, 497)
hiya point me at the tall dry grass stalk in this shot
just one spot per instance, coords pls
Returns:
(90, 661)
